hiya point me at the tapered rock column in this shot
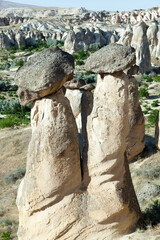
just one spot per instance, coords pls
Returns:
(110, 189)
(136, 136)
(81, 101)
(53, 169)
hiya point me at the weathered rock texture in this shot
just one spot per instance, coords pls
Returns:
(81, 101)
(65, 197)
(110, 188)
(118, 58)
(108, 128)
(153, 35)
(136, 136)
(53, 171)
(44, 74)
(140, 43)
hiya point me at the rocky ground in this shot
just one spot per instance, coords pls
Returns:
(144, 169)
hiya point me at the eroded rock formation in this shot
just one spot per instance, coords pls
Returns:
(136, 136)
(140, 43)
(108, 128)
(65, 196)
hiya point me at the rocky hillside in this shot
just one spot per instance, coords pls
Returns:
(80, 29)
(25, 33)
(7, 4)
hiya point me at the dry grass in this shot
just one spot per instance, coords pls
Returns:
(14, 145)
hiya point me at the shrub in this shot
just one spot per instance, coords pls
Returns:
(155, 103)
(151, 173)
(145, 111)
(22, 48)
(79, 62)
(5, 58)
(5, 66)
(93, 47)
(91, 78)
(54, 42)
(6, 235)
(13, 57)
(13, 107)
(11, 178)
(20, 63)
(12, 120)
(13, 88)
(148, 78)
(152, 117)
(143, 92)
(81, 55)
(6, 222)
(2, 98)
(9, 121)
(10, 94)
(152, 213)
(156, 79)
(4, 86)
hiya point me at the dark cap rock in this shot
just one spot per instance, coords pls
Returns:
(111, 58)
(44, 74)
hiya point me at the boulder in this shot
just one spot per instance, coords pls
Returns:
(148, 191)
(118, 58)
(39, 78)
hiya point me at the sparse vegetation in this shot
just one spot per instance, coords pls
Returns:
(81, 55)
(88, 77)
(148, 78)
(6, 222)
(5, 235)
(157, 78)
(143, 92)
(155, 103)
(12, 120)
(12, 177)
(150, 174)
(152, 117)
(151, 216)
